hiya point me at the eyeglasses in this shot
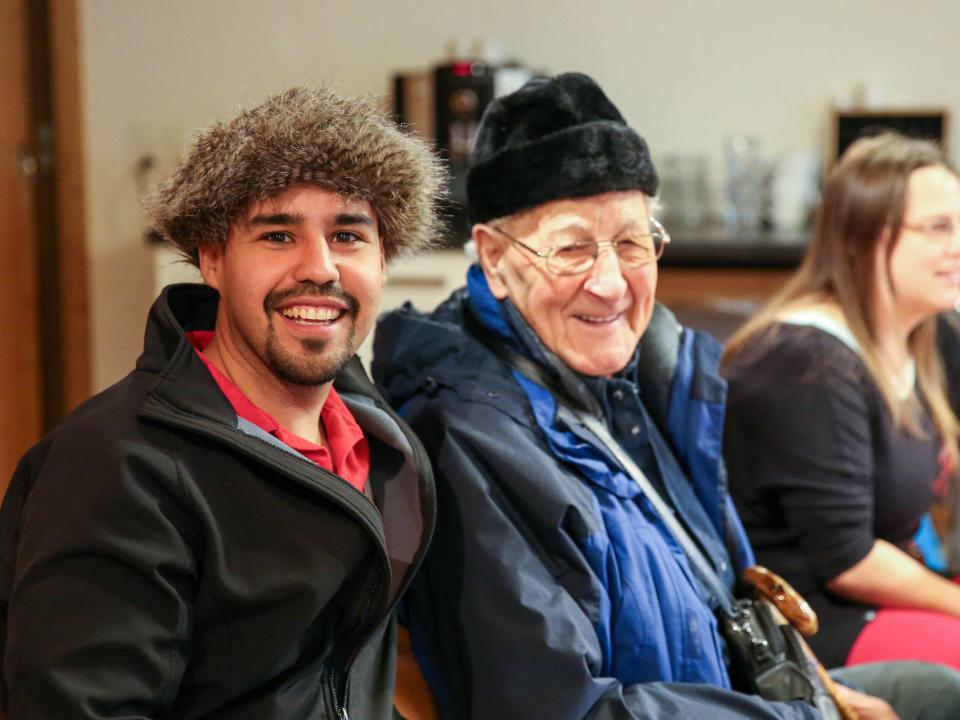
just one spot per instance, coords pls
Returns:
(938, 231)
(575, 258)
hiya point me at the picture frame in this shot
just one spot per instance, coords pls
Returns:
(848, 125)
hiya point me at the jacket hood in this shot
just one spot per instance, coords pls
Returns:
(412, 349)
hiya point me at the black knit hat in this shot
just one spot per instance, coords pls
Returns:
(553, 138)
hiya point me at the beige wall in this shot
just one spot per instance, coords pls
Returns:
(685, 73)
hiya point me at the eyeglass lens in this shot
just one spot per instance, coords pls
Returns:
(633, 252)
(939, 231)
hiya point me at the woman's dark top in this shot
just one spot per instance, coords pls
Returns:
(818, 471)
(948, 343)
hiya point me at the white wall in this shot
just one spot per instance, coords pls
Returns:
(685, 73)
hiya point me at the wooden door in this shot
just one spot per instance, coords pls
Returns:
(44, 347)
(20, 374)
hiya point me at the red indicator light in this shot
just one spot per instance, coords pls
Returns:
(461, 69)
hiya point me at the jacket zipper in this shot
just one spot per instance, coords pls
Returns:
(339, 711)
(341, 699)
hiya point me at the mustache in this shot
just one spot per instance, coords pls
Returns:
(275, 299)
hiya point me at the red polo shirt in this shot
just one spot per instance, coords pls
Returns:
(348, 454)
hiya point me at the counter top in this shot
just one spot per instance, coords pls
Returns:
(723, 247)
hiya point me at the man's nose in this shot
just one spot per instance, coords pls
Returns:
(316, 263)
(606, 276)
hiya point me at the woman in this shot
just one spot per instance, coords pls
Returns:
(838, 428)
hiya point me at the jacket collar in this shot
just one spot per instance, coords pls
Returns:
(503, 320)
(183, 383)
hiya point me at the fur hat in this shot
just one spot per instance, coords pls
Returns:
(302, 135)
(553, 138)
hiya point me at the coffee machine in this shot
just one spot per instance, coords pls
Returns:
(444, 105)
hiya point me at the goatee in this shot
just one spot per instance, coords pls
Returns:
(318, 363)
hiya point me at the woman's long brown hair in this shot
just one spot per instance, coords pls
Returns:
(864, 199)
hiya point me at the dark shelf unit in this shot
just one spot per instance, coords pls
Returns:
(723, 247)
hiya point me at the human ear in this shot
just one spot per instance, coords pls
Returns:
(384, 267)
(491, 248)
(211, 260)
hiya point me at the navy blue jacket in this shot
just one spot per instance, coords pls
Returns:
(552, 590)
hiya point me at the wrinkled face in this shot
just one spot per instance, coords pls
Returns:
(593, 320)
(299, 281)
(924, 266)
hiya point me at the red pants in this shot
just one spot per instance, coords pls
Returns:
(898, 634)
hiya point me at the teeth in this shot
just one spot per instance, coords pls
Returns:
(592, 319)
(312, 313)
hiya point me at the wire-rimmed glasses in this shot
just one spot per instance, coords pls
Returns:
(574, 258)
(939, 231)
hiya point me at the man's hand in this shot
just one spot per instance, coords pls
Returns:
(867, 707)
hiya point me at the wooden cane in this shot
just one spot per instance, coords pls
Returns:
(792, 609)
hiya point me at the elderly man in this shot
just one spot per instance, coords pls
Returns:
(224, 532)
(553, 588)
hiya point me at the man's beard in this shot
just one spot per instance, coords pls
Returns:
(318, 363)
(313, 366)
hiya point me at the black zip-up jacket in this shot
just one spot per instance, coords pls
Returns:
(161, 558)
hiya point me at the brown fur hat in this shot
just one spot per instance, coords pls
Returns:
(302, 135)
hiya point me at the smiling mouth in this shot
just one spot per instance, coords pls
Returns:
(597, 320)
(312, 315)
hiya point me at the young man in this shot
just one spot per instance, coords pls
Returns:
(224, 532)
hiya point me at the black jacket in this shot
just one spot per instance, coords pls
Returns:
(161, 558)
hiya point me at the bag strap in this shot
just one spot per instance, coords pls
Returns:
(591, 418)
(699, 563)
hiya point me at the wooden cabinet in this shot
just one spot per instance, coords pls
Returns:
(714, 279)
(718, 300)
